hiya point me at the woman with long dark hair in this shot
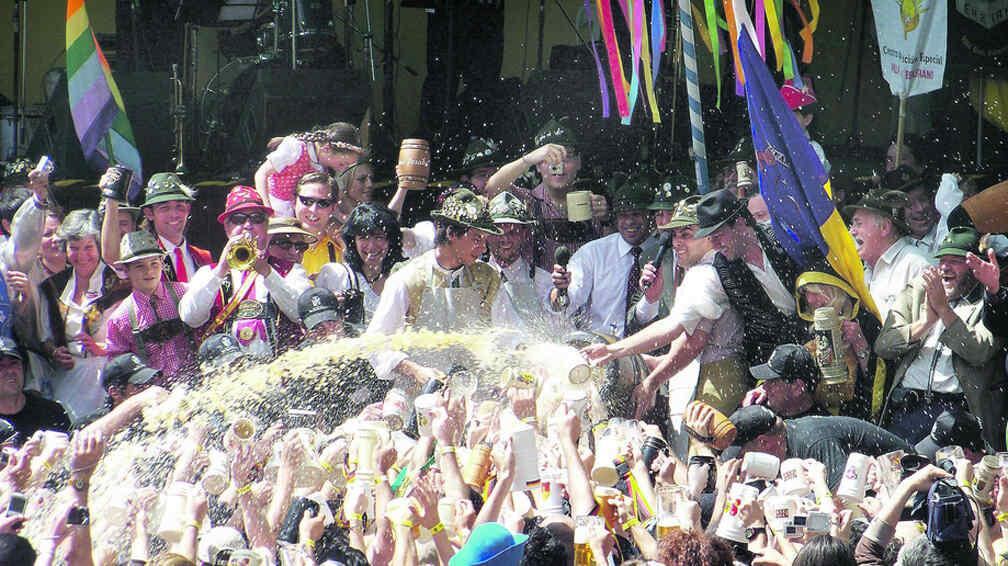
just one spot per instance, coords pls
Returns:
(373, 245)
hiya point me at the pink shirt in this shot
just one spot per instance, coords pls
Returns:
(171, 356)
(291, 160)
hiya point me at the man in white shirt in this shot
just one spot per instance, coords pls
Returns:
(891, 259)
(447, 289)
(603, 276)
(948, 359)
(713, 330)
(525, 288)
(244, 302)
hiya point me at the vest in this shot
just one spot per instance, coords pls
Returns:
(479, 275)
(764, 326)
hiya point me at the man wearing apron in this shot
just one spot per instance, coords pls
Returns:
(522, 303)
(447, 289)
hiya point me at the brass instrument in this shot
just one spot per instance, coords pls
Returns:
(242, 254)
(178, 113)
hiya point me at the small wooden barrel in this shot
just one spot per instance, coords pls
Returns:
(413, 170)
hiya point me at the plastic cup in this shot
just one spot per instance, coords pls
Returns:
(761, 466)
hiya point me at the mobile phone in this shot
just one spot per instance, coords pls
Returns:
(17, 504)
(79, 516)
(818, 522)
(799, 520)
(45, 165)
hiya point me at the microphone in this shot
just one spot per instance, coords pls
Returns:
(561, 256)
(663, 249)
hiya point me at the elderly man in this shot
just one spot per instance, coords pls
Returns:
(947, 358)
(601, 285)
(27, 411)
(890, 257)
(446, 289)
(246, 302)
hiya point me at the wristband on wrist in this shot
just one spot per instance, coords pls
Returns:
(325, 466)
(437, 528)
(1001, 517)
(247, 488)
(194, 524)
(446, 450)
(309, 544)
(633, 522)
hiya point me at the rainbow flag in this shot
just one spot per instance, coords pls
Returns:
(99, 115)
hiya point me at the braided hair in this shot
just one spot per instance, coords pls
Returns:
(340, 136)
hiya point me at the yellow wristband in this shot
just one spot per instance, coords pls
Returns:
(447, 450)
(1001, 517)
(309, 544)
(194, 525)
(407, 523)
(630, 524)
(325, 466)
(437, 528)
(245, 489)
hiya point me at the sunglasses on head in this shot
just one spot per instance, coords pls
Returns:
(286, 244)
(321, 202)
(240, 218)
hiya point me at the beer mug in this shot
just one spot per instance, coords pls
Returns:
(984, 476)
(243, 429)
(731, 526)
(585, 528)
(579, 206)
(794, 479)
(523, 445)
(779, 510)
(174, 505)
(760, 466)
(852, 485)
(830, 347)
(217, 476)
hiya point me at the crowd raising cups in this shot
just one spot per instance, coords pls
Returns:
(545, 369)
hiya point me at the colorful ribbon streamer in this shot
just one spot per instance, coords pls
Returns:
(613, 55)
(712, 30)
(733, 33)
(809, 28)
(693, 95)
(635, 23)
(603, 89)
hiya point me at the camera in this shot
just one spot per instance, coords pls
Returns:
(79, 516)
(17, 504)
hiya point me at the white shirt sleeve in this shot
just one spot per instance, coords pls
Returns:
(423, 239)
(333, 276)
(286, 153)
(700, 296)
(285, 291)
(582, 277)
(948, 197)
(198, 301)
(20, 250)
(389, 318)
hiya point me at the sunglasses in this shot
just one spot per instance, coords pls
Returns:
(301, 247)
(240, 218)
(321, 202)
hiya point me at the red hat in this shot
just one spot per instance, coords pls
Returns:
(798, 97)
(243, 198)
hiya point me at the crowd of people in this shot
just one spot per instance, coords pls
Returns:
(825, 426)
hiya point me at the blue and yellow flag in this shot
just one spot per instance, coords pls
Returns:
(795, 185)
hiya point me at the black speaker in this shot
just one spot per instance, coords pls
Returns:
(282, 101)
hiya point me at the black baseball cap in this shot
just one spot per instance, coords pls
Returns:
(957, 428)
(127, 369)
(318, 305)
(9, 349)
(219, 350)
(751, 422)
(789, 361)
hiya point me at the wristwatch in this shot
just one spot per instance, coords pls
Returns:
(79, 484)
(753, 532)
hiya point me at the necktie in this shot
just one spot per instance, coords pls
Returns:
(633, 278)
(180, 271)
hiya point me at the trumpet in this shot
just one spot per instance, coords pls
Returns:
(243, 253)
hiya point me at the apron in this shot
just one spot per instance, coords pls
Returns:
(449, 309)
